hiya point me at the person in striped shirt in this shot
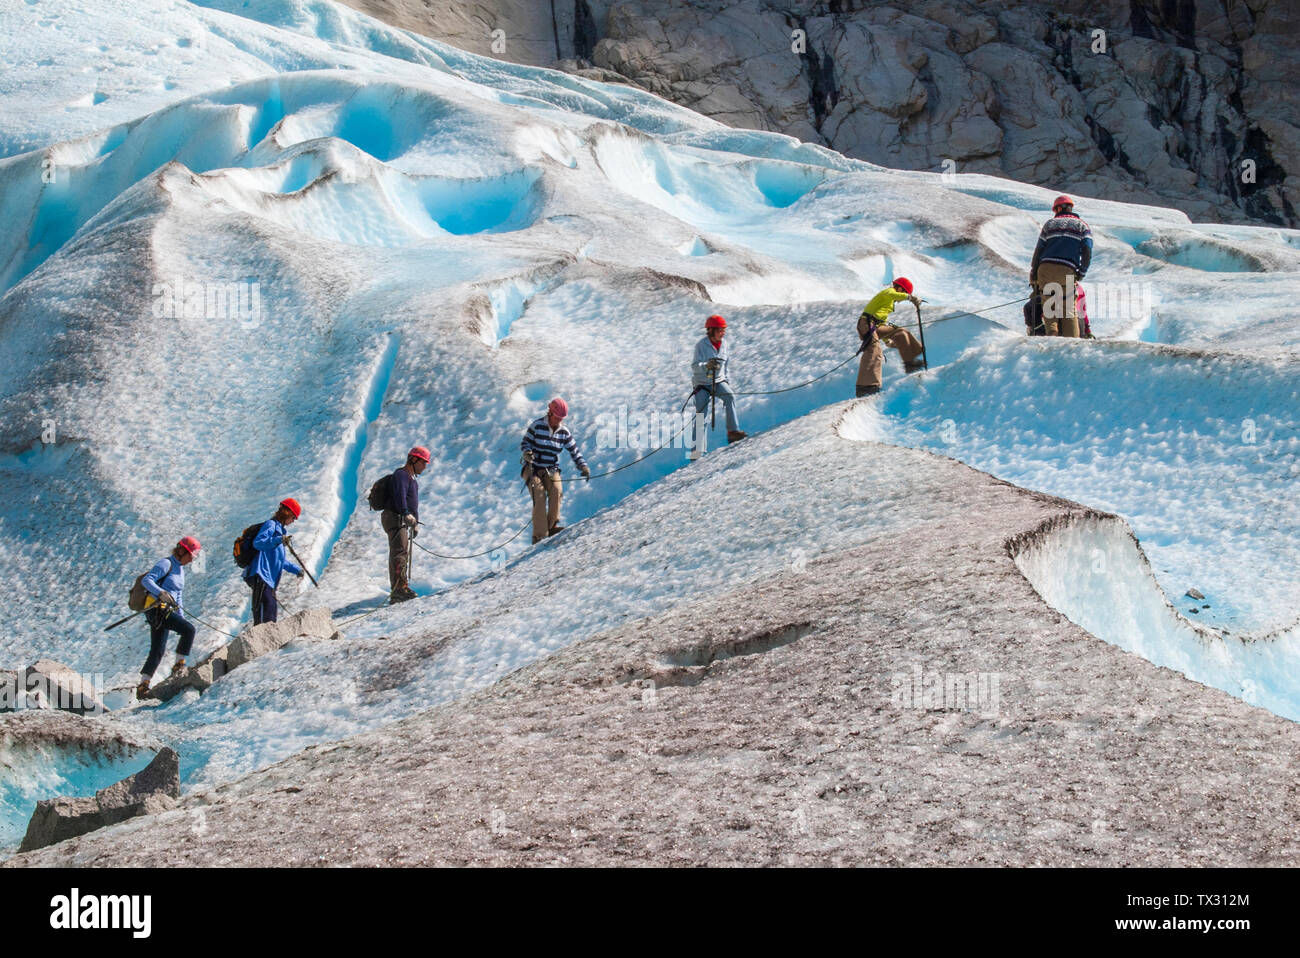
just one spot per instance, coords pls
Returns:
(541, 447)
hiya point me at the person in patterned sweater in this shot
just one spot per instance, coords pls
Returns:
(541, 447)
(1061, 258)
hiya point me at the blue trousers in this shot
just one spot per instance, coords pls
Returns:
(725, 396)
(265, 606)
(159, 626)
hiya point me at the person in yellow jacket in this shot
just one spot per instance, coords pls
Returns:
(874, 326)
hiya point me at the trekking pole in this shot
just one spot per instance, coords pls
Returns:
(921, 328)
(713, 392)
(302, 565)
(109, 628)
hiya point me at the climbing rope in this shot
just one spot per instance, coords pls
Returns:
(773, 392)
(961, 312)
(628, 465)
(340, 625)
(668, 444)
(476, 554)
(191, 615)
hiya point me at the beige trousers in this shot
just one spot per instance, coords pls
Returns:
(546, 491)
(1056, 286)
(871, 369)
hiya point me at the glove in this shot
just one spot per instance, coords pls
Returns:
(410, 520)
(166, 598)
(586, 473)
(712, 365)
(913, 300)
(528, 457)
(285, 540)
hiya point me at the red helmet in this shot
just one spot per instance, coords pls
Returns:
(715, 322)
(558, 408)
(292, 506)
(1061, 201)
(419, 452)
(190, 545)
(904, 284)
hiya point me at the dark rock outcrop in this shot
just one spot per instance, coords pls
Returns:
(1191, 105)
(155, 788)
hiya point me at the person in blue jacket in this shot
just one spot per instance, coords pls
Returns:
(269, 561)
(165, 582)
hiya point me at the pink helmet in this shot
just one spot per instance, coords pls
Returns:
(419, 452)
(190, 545)
(558, 408)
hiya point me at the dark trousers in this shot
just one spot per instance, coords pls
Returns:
(399, 549)
(265, 607)
(159, 626)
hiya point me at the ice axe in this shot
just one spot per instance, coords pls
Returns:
(921, 329)
(109, 628)
(301, 565)
(713, 392)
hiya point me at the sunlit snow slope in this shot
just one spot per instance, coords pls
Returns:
(432, 245)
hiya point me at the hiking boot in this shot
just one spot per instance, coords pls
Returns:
(178, 668)
(537, 539)
(556, 530)
(866, 391)
(735, 435)
(401, 595)
(142, 691)
(913, 367)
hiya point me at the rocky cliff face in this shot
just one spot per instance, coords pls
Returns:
(1185, 103)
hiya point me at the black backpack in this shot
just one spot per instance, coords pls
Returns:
(380, 496)
(244, 551)
(1034, 315)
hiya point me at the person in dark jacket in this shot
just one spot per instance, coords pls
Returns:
(1061, 257)
(270, 561)
(399, 518)
(165, 583)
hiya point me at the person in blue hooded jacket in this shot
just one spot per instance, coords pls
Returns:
(270, 562)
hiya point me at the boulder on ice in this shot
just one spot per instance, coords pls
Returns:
(199, 676)
(155, 788)
(48, 685)
(272, 636)
(254, 642)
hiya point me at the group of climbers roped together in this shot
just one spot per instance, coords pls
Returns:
(259, 551)
(1057, 307)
